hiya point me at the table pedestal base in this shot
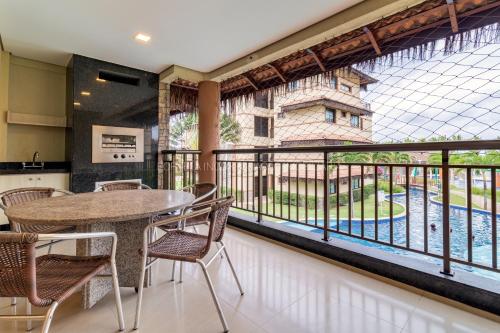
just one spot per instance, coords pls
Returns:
(128, 260)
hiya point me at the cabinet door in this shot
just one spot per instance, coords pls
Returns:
(54, 180)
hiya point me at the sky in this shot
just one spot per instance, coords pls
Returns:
(457, 94)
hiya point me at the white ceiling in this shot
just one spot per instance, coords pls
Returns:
(199, 34)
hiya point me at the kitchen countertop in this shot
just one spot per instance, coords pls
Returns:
(16, 168)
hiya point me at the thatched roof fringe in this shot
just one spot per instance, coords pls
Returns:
(183, 99)
(452, 43)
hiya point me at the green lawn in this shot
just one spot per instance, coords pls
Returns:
(456, 199)
(369, 210)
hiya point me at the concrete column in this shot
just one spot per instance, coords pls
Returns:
(208, 132)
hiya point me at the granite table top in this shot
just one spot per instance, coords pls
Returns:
(99, 207)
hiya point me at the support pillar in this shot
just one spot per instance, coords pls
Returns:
(163, 126)
(208, 129)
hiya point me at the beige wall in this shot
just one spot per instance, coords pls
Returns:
(39, 89)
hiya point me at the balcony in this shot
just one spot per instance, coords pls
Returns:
(286, 290)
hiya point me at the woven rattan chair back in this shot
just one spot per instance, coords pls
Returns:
(17, 265)
(218, 218)
(119, 186)
(22, 195)
(202, 191)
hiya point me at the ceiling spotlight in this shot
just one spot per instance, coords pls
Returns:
(76, 103)
(85, 93)
(142, 38)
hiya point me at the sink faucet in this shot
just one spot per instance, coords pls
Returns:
(36, 156)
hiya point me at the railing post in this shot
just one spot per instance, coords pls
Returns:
(217, 193)
(445, 187)
(259, 188)
(326, 201)
(193, 168)
(173, 171)
(169, 170)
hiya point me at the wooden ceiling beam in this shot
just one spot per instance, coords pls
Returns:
(278, 72)
(317, 59)
(250, 80)
(373, 41)
(453, 15)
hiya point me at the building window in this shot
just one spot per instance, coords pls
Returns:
(294, 85)
(345, 88)
(261, 126)
(344, 114)
(354, 120)
(333, 82)
(330, 115)
(281, 115)
(262, 99)
(333, 187)
(356, 182)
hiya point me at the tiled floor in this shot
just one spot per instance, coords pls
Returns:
(286, 291)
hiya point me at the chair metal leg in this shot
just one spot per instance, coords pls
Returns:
(141, 289)
(180, 272)
(195, 230)
(218, 248)
(48, 317)
(50, 248)
(13, 301)
(118, 299)
(214, 296)
(173, 271)
(29, 325)
(233, 270)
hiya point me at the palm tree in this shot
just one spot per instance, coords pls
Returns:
(184, 132)
(230, 129)
(479, 158)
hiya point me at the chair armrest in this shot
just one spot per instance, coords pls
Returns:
(83, 235)
(63, 191)
(177, 218)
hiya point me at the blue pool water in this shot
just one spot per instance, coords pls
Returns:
(481, 228)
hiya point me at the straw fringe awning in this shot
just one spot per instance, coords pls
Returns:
(410, 33)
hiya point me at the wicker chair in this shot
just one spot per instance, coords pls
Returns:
(117, 186)
(203, 192)
(49, 280)
(185, 246)
(22, 195)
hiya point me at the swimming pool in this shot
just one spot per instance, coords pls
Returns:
(481, 228)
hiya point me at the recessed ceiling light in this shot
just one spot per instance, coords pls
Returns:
(76, 103)
(100, 80)
(142, 38)
(85, 93)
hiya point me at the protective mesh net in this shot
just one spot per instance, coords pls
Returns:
(447, 95)
(444, 89)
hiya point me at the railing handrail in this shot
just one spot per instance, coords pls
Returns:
(180, 151)
(413, 147)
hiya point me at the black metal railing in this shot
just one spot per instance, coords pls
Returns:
(180, 168)
(400, 205)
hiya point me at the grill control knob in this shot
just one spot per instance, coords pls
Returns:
(115, 155)
(123, 155)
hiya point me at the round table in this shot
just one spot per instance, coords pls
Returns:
(125, 212)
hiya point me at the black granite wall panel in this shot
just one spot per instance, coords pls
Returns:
(110, 104)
